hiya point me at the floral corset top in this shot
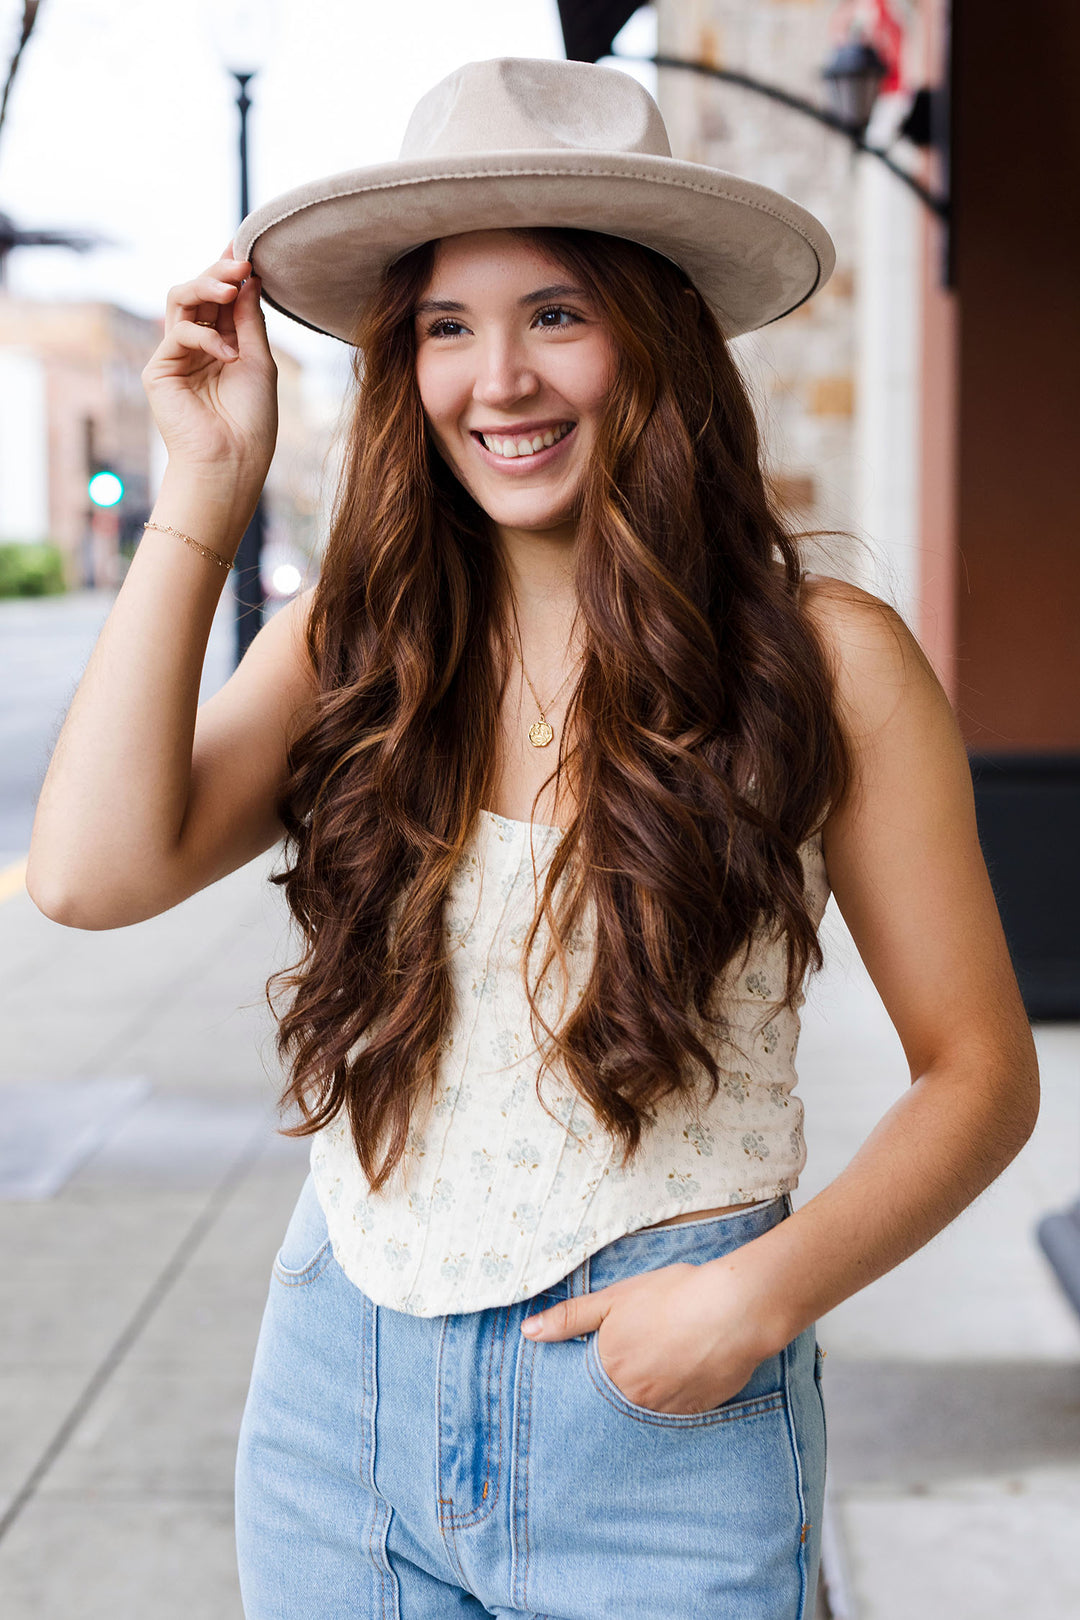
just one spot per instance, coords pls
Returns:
(495, 1200)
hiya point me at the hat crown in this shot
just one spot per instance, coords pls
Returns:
(529, 104)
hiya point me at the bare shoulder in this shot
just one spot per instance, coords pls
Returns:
(876, 660)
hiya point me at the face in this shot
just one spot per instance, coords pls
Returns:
(513, 364)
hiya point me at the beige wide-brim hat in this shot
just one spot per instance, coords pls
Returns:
(531, 141)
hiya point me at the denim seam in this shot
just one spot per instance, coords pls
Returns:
(819, 1356)
(522, 1429)
(785, 1359)
(379, 1525)
(484, 1509)
(525, 1429)
(446, 1523)
(297, 1279)
(526, 1366)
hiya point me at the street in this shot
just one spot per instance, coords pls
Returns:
(45, 642)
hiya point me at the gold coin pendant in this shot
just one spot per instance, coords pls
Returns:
(540, 734)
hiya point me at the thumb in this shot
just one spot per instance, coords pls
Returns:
(247, 299)
(570, 1318)
(247, 310)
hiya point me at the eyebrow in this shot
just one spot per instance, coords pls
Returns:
(448, 306)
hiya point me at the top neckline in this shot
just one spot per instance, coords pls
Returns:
(512, 821)
(814, 842)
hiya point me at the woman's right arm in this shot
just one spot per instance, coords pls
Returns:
(149, 798)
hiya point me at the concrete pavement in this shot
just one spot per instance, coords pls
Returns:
(45, 642)
(135, 1291)
(953, 1385)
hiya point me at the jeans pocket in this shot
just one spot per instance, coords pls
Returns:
(305, 1249)
(763, 1392)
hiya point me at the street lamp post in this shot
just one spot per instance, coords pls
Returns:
(242, 33)
(247, 573)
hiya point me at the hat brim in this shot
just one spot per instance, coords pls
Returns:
(320, 249)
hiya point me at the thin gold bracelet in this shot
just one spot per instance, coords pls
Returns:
(203, 550)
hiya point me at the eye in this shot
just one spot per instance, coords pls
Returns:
(436, 327)
(447, 327)
(558, 309)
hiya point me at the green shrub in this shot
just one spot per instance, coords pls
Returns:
(35, 569)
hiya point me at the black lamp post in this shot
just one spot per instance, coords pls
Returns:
(247, 574)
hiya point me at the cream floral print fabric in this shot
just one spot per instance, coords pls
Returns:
(495, 1199)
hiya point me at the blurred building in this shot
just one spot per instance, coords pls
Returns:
(926, 398)
(836, 381)
(72, 403)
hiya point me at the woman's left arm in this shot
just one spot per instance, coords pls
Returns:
(908, 875)
(907, 872)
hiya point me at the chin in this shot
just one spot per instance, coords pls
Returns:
(540, 521)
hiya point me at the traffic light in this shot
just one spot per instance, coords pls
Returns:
(105, 487)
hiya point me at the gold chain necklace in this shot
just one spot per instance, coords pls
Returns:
(541, 731)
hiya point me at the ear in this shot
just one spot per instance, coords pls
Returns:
(690, 292)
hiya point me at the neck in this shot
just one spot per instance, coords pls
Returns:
(540, 570)
(539, 562)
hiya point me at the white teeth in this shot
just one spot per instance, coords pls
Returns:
(526, 447)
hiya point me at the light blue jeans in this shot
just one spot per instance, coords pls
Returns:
(395, 1467)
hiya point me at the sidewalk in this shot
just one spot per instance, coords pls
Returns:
(135, 1292)
(953, 1385)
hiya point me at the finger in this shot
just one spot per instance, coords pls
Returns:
(229, 319)
(569, 1319)
(225, 318)
(212, 282)
(221, 315)
(186, 338)
(203, 297)
(205, 289)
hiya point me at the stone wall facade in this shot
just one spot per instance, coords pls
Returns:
(803, 371)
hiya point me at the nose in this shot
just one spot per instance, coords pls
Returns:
(503, 373)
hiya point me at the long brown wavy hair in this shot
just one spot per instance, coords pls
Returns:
(706, 746)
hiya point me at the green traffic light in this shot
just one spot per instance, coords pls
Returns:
(105, 489)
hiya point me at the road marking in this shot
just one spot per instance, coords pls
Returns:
(13, 879)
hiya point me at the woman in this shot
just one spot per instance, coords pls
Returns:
(541, 1334)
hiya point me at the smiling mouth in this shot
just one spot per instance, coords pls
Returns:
(527, 447)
